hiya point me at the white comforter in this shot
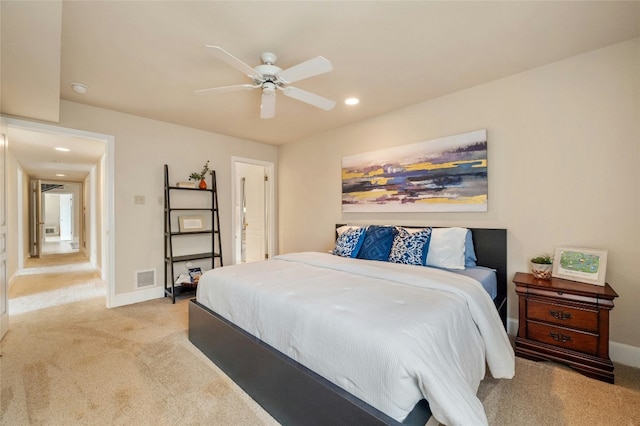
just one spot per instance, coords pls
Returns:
(389, 334)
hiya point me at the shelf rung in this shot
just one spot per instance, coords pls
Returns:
(207, 231)
(194, 256)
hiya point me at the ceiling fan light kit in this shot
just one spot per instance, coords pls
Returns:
(271, 78)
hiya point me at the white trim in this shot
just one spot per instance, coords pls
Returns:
(108, 245)
(512, 326)
(625, 354)
(108, 237)
(19, 201)
(618, 352)
(137, 296)
(270, 168)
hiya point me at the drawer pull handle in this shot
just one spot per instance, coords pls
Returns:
(560, 337)
(560, 315)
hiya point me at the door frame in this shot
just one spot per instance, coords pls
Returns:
(270, 199)
(4, 279)
(76, 191)
(108, 228)
(36, 224)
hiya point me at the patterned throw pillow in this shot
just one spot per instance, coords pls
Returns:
(348, 244)
(410, 248)
(377, 243)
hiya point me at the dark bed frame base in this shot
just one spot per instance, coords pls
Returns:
(295, 395)
(291, 393)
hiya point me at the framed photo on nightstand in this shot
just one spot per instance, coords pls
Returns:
(580, 264)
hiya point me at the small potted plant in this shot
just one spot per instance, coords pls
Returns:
(542, 266)
(201, 176)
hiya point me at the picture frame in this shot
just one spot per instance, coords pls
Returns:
(191, 223)
(580, 264)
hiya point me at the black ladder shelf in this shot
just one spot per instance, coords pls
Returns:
(210, 229)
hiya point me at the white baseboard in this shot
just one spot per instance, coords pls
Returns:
(512, 326)
(11, 281)
(135, 297)
(618, 352)
(624, 354)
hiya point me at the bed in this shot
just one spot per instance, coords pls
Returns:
(228, 322)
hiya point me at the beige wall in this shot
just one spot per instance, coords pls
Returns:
(142, 147)
(563, 146)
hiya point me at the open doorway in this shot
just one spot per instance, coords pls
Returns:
(54, 217)
(253, 211)
(61, 214)
(76, 215)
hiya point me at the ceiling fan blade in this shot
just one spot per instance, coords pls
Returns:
(310, 98)
(227, 57)
(310, 68)
(226, 88)
(268, 105)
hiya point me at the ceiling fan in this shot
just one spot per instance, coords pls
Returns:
(270, 78)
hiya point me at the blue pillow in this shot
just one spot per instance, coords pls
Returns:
(410, 248)
(377, 243)
(469, 252)
(349, 242)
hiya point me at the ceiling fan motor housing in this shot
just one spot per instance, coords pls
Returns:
(268, 73)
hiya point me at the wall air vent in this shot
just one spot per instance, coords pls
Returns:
(146, 278)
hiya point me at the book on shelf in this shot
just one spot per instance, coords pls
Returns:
(186, 184)
(195, 274)
(191, 277)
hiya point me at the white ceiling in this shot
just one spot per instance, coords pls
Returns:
(146, 58)
(39, 158)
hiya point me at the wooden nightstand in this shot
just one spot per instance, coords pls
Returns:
(567, 322)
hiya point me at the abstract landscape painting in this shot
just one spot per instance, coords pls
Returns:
(441, 175)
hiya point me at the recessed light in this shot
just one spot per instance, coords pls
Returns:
(60, 175)
(352, 101)
(59, 148)
(79, 88)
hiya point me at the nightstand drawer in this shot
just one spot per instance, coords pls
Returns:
(563, 338)
(565, 316)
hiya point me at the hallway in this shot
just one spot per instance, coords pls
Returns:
(52, 280)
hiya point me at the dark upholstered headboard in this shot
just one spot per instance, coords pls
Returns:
(491, 250)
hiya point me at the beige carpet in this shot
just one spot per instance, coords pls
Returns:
(545, 393)
(81, 364)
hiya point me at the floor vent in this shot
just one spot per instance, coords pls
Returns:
(146, 278)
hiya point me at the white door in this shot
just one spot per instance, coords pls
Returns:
(66, 211)
(254, 215)
(253, 201)
(4, 297)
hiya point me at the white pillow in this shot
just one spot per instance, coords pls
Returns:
(446, 249)
(344, 228)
